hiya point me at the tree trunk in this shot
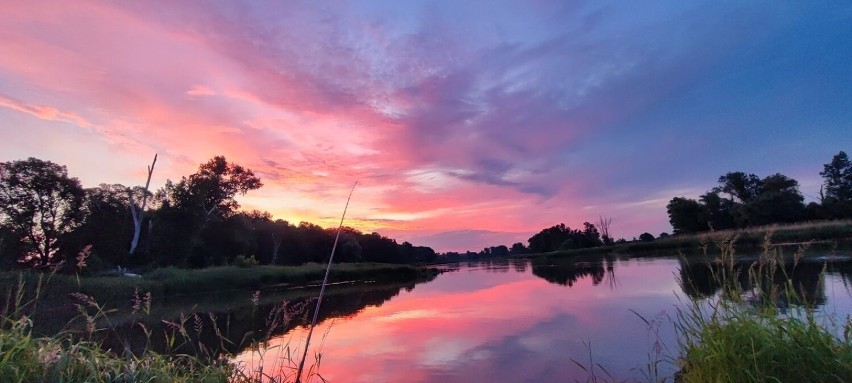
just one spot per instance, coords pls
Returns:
(138, 215)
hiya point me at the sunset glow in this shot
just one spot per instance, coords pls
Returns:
(466, 124)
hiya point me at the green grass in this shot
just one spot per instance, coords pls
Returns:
(24, 358)
(741, 347)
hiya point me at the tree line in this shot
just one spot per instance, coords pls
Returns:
(557, 237)
(47, 220)
(744, 199)
(741, 200)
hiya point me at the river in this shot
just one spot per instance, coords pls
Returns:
(520, 321)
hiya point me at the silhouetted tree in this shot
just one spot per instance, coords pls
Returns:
(561, 237)
(211, 190)
(687, 216)
(192, 205)
(107, 225)
(499, 251)
(837, 185)
(647, 237)
(39, 204)
(779, 202)
(603, 224)
(744, 187)
(518, 248)
(720, 212)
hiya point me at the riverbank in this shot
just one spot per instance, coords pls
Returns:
(827, 234)
(164, 284)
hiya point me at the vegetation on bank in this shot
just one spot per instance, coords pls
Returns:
(172, 281)
(745, 200)
(827, 234)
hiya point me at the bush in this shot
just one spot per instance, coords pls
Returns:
(243, 261)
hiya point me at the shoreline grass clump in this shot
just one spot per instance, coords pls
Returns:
(742, 336)
(62, 358)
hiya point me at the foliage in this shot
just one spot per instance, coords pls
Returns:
(741, 186)
(561, 237)
(837, 175)
(211, 190)
(243, 261)
(752, 201)
(686, 215)
(646, 237)
(39, 204)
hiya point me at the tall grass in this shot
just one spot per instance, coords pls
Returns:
(743, 337)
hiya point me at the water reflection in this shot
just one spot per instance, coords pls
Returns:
(568, 271)
(702, 279)
(238, 322)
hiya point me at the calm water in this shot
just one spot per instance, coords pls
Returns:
(522, 322)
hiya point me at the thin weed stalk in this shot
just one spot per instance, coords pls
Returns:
(322, 289)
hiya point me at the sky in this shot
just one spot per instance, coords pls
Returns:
(466, 124)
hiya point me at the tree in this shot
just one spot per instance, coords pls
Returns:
(604, 224)
(745, 187)
(838, 177)
(549, 239)
(779, 183)
(138, 212)
(837, 185)
(518, 248)
(721, 212)
(211, 190)
(39, 204)
(687, 216)
(779, 201)
(107, 225)
(194, 210)
(647, 237)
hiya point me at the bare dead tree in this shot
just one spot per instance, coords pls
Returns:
(138, 212)
(603, 225)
